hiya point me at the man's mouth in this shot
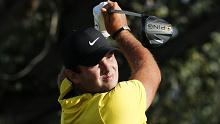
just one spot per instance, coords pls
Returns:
(107, 78)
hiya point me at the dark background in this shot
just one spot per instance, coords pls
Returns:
(32, 30)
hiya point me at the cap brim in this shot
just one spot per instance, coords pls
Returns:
(94, 58)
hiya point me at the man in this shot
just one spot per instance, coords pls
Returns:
(91, 93)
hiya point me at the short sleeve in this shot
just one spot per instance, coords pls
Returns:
(125, 104)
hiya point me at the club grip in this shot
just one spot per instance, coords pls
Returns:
(110, 11)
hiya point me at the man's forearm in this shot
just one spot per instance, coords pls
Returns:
(137, 55)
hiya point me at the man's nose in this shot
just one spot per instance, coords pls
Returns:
(105, 66)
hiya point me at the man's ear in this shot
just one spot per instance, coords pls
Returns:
(72, 76)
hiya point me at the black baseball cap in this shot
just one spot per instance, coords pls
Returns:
(84, 47)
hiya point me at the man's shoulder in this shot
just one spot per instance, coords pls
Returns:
(127, 88)
(130, 84)
(127, 98)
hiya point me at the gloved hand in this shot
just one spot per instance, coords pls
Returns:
(99, 20)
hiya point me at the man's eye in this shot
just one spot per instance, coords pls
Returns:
(109, 57)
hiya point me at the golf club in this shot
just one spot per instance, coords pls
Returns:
(154, 31)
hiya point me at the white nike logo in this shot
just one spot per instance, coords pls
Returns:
(92, 43)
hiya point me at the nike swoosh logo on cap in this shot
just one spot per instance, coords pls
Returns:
(93, 42)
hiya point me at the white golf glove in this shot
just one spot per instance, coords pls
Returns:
(99, 20)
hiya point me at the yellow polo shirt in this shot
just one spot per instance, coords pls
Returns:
(125, 104)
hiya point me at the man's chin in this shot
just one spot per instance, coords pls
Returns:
(112, 84)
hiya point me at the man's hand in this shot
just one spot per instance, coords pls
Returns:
(114, 21)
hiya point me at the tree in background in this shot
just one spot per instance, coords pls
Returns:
(31, 32)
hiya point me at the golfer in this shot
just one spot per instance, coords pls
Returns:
(91, 93)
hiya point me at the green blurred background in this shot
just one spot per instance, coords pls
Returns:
(32, 30)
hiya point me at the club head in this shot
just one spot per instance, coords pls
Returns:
(154, 31)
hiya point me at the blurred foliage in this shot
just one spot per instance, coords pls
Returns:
(188, 93)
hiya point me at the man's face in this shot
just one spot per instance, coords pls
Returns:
(101, 77)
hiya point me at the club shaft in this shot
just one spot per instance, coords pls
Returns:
(126, 12)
